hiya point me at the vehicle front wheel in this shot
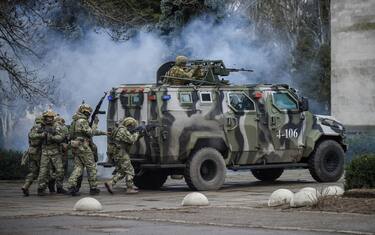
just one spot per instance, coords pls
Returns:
(326, 163)
(150, 179)
(267, 175)
(205, 170)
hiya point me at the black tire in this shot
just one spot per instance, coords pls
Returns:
(326, 163)
(150, 179)
(267, 175)
(205, 170)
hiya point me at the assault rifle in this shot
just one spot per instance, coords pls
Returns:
(48, 131)
(97, 109)
(143, 129)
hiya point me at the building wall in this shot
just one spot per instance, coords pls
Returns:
(353, 62)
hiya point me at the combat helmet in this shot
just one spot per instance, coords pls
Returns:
(129, 121)
(48, 116)
(85, 109)
(181, 60)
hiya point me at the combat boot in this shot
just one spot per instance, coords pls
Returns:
(131, 190)
(61, 190)
(51, 186)
(94, 191)
(41, 192)
(72, 192)
(25, 191)
(108, 185)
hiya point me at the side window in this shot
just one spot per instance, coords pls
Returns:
(240, 102)
(124, 100)
(206, 97)
(284, 102)
(136, 100)
(185, 98)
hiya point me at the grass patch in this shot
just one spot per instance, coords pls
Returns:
(345, 204)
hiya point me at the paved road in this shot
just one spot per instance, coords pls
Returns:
(239, 207)
(94, 225)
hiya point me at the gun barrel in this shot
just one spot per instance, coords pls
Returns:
(239, 70)
(97, 109)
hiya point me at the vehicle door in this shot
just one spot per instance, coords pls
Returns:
(286, 122)
(241, 125)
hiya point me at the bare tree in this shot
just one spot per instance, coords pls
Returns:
(120, 16)
(20, 24)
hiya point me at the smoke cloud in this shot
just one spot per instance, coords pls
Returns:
(96, 63)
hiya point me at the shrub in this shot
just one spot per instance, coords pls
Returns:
(10, 165)
(360, 172)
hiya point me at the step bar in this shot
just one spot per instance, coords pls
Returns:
(270, 166)
(234, 168)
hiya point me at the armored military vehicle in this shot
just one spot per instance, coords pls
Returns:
(208, 126)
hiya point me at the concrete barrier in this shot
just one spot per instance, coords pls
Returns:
(88, 204)
(280, 197)
(195, 199)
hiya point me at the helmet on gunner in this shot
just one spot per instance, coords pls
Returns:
(129, 122)
(48, 116)
(181, 60)
(85, 109)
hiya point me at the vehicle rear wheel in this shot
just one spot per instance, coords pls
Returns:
(267, 175)
(326, 163)
(205, 170)
(150, 179)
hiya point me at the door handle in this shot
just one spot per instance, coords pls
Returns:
(273, 120)
(232, 123)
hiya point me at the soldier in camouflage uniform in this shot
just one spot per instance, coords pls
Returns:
(179, 70)
(63, 151)
(125, 139)
(64, 145)
(34, 152)
(51, 154)
(81, 134)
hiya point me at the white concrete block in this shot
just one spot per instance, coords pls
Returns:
(280, 197)
(195, 199)
(333, 191)
(312, 190)
(304, 198)
(88, 204)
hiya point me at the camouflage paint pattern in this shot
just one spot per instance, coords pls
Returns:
(34, 151)
(51, 157)
(191, 115)
(82, 133)
(124, 139)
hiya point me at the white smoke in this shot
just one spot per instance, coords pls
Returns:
(235, 41)
(87, 68)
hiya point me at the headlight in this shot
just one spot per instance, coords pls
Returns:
(332, 123)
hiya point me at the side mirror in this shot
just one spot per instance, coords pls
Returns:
(303, 104)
